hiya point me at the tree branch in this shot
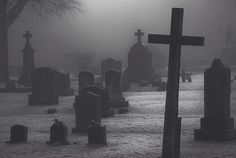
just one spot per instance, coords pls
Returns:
(15, 11)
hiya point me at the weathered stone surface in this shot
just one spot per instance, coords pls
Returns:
(139, 62)
(105, 107)
(97, 134)
(110, 64)
(58, 133)
(43, 87)
(112, 84)
(87, 108)
(86, 78)
(217, 123)
(19, 134)
(28, 61)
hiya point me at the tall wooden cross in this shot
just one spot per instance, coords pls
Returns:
(139, 34)
(172, 124)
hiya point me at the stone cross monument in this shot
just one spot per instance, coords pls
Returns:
(28, 61)
(172, 124)
(139, 34)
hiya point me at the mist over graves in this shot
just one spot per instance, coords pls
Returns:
(101, 81)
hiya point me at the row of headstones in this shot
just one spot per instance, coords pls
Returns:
(59, 134)
(47, 83)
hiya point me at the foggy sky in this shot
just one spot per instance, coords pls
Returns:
(106, 27)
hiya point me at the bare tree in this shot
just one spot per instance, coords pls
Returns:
(9, 12)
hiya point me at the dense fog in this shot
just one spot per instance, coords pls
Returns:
(106, 28)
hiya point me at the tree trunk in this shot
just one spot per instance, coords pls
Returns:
(4, 74)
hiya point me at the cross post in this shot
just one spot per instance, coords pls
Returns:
(172, 124)
(139, 34)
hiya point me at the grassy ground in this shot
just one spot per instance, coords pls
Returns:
(137, 134)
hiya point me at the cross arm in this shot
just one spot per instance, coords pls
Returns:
(158, 38)
(193, 41)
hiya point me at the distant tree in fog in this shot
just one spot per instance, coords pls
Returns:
(10, 11)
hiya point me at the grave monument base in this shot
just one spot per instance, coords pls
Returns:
(43, 99)
(215, 129)
(15, 90)
(221, 134)
(97, 135)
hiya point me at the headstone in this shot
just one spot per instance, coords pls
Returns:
(112, 84)
(105, 108)
(86, 78)
(62, 84)
(87, 108)
(183, 75)
(217, 123)
(18, 134)
(172, 125)
(10, 85)
(28, 61)
(139, 62)
(110, 64)
(189, 77)
(43, 87)
(58, 133)
(97, 134)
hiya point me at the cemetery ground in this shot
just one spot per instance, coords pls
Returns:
(135, 134)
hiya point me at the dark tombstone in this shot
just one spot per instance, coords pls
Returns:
(139, 61)
(43, 87)
(183, 75)
(110, 64)
(87, 108)
(105, 108)
(58, 133)
(62, 84)
(217, 123)
(10, 85)
(86, 78)
(172, 125)
(18, 134)
(28, 61)
(97, 134)
(112, 84)
(189, 77)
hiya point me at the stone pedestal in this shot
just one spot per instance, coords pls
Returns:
(18, 134)
(139, 62)
(28, 61)
(58, 133)
(110, 64)
(217, 123)
(43, 87)
(112, 84)
(86, 78)
(87, 108)
(97, 135)
(105, 107)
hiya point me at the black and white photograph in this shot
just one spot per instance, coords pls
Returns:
(117, 79)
